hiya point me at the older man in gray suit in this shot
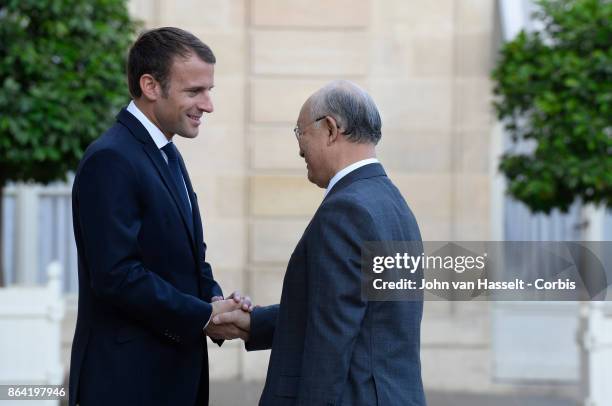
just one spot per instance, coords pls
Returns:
(330, 345)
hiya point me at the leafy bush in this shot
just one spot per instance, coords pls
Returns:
(62, 81)
(554, 93)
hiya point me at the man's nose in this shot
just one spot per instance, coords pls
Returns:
(205, 103)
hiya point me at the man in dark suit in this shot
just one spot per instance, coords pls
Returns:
(146, 292)
(330, 345)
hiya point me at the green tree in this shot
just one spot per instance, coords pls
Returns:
(554, 93)
(62, 79)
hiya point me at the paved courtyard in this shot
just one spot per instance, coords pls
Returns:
(247, 394)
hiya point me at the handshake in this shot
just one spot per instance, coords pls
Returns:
(230, 318)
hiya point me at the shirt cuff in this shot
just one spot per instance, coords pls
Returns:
(208, 322)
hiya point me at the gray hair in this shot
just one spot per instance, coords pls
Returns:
(351, 107)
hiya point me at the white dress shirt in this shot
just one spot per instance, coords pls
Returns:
(348, 170)
(158, 137)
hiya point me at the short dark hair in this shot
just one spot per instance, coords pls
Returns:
(154, 52)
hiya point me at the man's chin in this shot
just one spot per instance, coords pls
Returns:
(311, 179)
(186, 134)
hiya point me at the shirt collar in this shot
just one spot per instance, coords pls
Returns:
(348, 170)
(158, 137)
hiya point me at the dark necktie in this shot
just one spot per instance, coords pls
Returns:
(175, 170)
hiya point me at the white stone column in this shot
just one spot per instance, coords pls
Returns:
(26, 234)
(596, 354)
(595, 334)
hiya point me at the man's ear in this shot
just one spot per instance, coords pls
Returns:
(151, 88)
(332, 129)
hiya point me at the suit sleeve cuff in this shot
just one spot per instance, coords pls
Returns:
(263, 323)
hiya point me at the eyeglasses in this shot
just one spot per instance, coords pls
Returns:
(298, 133)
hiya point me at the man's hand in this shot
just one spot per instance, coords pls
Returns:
(226, 331)
(237, 318)
(245, 301)
(223, 306)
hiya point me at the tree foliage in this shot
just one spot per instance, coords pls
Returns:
(62, 79)
(554, 93)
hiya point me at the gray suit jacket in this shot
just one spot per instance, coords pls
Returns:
(329, 345)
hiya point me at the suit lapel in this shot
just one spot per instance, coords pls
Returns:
(138, 130)
(163, 170)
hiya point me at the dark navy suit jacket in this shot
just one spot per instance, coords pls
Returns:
(331, 346)
(144, 284)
